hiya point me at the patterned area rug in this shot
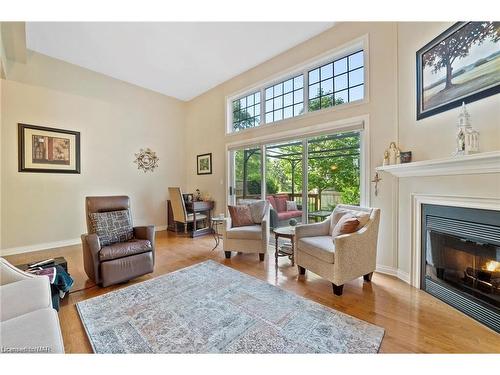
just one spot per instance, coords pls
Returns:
(211, 308)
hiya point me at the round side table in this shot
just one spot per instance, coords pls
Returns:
(287, 250)
(215, 223)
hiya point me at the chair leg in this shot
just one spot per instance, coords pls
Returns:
(337, 289)
(185, 228)
(261, 257)
(368, 277)
(302, 270)
(227, 254)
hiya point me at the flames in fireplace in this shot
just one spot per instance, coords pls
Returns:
(487, 278)
(492, 266)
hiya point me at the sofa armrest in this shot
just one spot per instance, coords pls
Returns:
(356, 253)
(10, 274)
(313, 230)
(91, 247)
(146, 232)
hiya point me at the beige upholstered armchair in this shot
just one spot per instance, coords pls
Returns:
(343, 258)
(251, 238)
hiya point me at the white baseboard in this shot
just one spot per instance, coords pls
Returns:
(52, 245)
(404, 276)
(387, 270)
(40, 246)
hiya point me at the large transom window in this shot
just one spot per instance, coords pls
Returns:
(339, 81)
(285, 99)
(246, 112)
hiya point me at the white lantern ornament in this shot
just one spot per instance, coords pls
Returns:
(467, 139)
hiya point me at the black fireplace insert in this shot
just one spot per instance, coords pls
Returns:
(461, 260)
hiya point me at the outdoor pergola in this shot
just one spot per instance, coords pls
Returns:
(295, 157)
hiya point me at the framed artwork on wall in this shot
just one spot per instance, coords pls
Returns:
(460, 65)
(48, 150)
(204, 163)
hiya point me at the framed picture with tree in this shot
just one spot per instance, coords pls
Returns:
(460, 65)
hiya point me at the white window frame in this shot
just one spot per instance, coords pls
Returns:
(361, 43)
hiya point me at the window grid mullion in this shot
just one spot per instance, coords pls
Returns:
(262, 106)
(305, 98)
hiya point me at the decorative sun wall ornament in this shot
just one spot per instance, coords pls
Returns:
(146, 160)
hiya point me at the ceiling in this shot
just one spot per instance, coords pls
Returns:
(181, 60)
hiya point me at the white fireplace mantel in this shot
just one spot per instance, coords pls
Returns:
(485, 162)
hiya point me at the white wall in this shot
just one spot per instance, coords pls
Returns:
(115, 119)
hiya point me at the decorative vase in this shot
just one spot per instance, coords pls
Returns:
(292, 222)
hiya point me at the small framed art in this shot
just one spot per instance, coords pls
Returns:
(204, 163)
(48, 150)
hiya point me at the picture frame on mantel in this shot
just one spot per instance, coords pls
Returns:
(457, 66)
(204, 164)
(48, 150)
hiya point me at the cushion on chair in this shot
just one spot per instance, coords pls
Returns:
(347, 224)
(363, 217)
(272, 201)
(291, 206)
(190, 217)
(289, 215)
(240, 215)
(258, 210)
(124, 249)
(25, 296)
(251, 232)
(36, 330)
(111, 226)
(280, 203)
(321, 247)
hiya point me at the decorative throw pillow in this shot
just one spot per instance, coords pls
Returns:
(280, 203)
(258, 210)
(338, 213)
(112, 226)
(240, 216)
(291, 206)
(347, 224)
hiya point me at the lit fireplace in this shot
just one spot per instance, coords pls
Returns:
(461, 260)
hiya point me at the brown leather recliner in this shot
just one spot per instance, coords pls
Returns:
(118, 262)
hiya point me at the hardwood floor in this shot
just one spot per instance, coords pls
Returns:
(414, 321)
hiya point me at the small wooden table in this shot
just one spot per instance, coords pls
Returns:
(195, 207)
(285, 250)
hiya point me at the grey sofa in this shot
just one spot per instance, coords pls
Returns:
(28, 323)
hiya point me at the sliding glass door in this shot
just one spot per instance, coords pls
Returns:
(247, 175)
(328, 164)
(284, 181)
(333, 173)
